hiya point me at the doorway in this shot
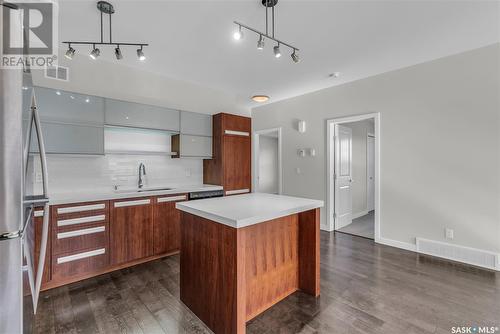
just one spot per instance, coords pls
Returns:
(267, 161)
(354, 175)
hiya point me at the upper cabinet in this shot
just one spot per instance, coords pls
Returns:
(196, 124)
(65, 107)
(121, 113)
(231, 163)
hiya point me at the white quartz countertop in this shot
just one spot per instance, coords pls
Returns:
(102, 195)
(248, 209)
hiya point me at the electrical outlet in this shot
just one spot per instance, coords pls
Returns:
(38, 177)
(188, 172)
(449, 233)
(298, 171)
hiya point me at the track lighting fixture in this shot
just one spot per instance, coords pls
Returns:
(105, 8)
(277, 51)
(118, 53)
(95, 53)
(238, 34)
(140, 54)
(70, 53)
(260, 43)
(269, 4)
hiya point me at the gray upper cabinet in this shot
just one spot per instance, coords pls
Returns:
(66, 107)
(121, 113)
(196, 124)
(70, 139)
(188, 146)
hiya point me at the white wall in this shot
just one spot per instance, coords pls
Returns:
(113, 80)
(360, 131)
(268, 165)
(440, 145)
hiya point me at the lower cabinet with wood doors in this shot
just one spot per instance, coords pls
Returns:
(131, 230)
(93, 238)
(167, 224)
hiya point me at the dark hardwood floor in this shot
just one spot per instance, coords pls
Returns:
(365, 288)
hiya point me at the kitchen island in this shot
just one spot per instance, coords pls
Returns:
(242, 254)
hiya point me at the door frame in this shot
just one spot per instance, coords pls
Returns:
(368, 135)
(256, 151)
(330, 168)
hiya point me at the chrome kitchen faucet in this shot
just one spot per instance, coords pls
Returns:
(142, 172)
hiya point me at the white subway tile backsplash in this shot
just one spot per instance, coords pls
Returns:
(104, 172)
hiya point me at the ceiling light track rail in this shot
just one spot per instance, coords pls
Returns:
(266, 35)
(269, 34)
(105, 8)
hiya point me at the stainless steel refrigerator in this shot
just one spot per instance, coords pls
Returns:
(20, 272)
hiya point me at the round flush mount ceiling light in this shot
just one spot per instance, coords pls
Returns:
(260, 98)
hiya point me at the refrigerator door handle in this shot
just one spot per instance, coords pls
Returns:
(20, 233)
(45, 226)
(41, 147)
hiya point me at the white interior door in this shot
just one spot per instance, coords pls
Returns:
(370, 164)
(268, 164)
(343, 176)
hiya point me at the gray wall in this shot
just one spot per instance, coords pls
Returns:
(359, 188)
(440, 145)
(268, 165)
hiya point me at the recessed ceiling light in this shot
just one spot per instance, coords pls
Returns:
(58, 92)
(334, 75)
(260, 98)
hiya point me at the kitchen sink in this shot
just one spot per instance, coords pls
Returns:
(128, 190)
(153, 189)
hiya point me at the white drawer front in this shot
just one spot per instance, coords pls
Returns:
(79, 256)
(81, 208)
(132, 203)
(77, 233)
(172, 199)
(237, 133)
(237, 191)
(38, 213)
(82, 220)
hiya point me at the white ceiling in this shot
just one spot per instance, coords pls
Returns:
(192, 40)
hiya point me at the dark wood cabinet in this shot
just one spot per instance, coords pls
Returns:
(167, 224)
(231, 163)
(131, 232)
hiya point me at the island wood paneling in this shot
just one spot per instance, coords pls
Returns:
(271, 263)
(208, 280)
(228, 276)
(309, 252)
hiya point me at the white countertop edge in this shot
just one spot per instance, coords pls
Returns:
(240, 223)
(89, 197)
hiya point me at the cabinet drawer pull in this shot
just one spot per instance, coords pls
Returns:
(79, 256)
(81, 208)
(172, 199)
(70, 234)
(237, 133)
(237, 191)
(132, 203)
(38, 213)
(74, 221)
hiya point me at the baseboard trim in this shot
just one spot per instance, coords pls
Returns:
(413, 248)
(360, 214)
(398, 244)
